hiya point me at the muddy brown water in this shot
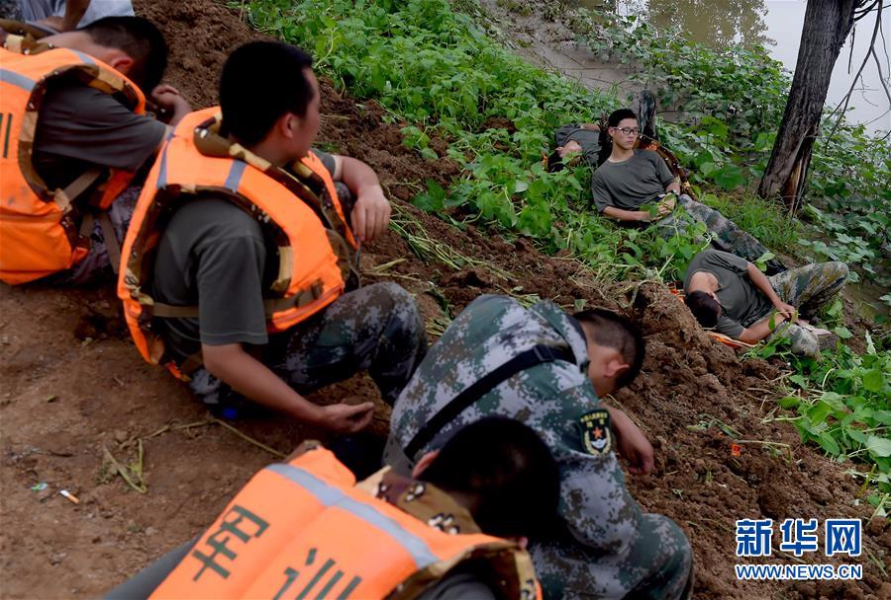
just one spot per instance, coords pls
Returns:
(73, 386)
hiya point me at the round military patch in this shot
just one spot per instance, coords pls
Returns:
(597, 437)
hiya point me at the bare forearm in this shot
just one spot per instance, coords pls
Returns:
(760, 281)
(74, 12)
(673, 187)
(251, 378)
(625, 215)
(358, 176)
(761, 329)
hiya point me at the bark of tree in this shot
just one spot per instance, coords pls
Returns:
(826, 26)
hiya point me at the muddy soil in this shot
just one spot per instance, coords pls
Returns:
(75, 391)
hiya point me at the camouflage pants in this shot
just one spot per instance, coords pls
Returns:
(808, 288)
(726, 235)
(96, 266)
(11, 9)
(657, 563)
(376, 328)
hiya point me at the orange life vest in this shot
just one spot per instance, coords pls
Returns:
(38, 226)
(303, 530)
(313, 240)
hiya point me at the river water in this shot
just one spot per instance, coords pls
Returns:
(777, 25)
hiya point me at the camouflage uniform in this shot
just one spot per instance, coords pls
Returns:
(726, 235)
(96, 266)
(605, 546)
(11, 9)
(376, 328)
(808, 288)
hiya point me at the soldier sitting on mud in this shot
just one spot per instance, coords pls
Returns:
(551, 370)
(735, 298)
(77, 135)
(630, 179)
(430, 536)
(240, 273)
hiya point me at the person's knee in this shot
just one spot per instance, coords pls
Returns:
(391, 296)
(840, 269)
(672, 565)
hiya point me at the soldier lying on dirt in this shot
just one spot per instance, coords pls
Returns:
(551, 370)
(735, 298)
(240, 273)
(454, 529)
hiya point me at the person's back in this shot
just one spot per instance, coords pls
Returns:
(444, 533)
(241, 258)
(602, 530)
(80, 138)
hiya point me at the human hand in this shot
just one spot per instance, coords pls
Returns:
(346, 417)
(632, 444)
(169, 103)
(666, 206)
(371, 214)
(787, 310)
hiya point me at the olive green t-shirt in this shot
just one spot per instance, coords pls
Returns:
(742, 303)
(588, 139)
(214, 255)
(631, 183)
(80, 127)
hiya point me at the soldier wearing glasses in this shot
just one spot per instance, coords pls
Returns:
(636, 187)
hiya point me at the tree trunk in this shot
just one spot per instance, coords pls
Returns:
(826, 26)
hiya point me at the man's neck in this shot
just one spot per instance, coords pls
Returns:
(620, 154)
(267, 150)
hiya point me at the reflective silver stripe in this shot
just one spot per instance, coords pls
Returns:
(162, 174)
(16, 80)
(85, 57)
(234, 178)
(329, 495)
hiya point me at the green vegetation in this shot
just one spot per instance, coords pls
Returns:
(843, 403)
(732, 102)
(437, 71)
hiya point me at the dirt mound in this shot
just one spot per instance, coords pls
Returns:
(74, 391)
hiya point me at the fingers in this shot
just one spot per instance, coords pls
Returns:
(371, 219)
(381, 221)
(359, 221)
(360, 416)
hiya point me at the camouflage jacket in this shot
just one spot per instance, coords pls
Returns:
(556, 399)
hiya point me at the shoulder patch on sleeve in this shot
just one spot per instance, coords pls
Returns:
(597, 437)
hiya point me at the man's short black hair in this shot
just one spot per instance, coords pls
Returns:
(262, 81)
(620, 333)
(619, 116)
(705, 308)
(140, 40)
(509, 472)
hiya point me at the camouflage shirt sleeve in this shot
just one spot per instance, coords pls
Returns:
(597, 507)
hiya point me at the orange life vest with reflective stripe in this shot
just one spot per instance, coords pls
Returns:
(38, 230)
(313, 241)
(303, 530)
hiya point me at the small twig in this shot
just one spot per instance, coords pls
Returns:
(847, 97)
(249, 439)
(124, 472)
